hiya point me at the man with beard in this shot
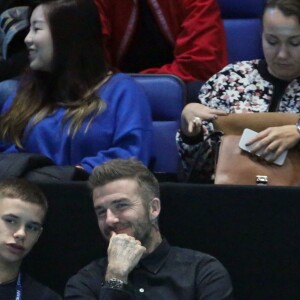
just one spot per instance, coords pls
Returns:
(140, 264)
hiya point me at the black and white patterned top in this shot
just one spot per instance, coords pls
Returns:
(243, 87)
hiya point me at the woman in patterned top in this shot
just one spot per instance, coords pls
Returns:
(266, 85)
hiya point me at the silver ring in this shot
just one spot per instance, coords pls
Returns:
(196, 119)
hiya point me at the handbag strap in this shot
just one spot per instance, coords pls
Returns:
(203, 152)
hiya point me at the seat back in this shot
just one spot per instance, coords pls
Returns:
(243, 26)
(166, 94)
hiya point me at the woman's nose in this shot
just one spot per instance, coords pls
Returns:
(282, 52)
(28, 39)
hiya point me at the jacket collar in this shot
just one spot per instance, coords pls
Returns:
(156, 259)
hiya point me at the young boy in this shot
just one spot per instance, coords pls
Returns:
(22, 211)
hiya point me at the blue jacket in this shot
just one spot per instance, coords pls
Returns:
(123, 130)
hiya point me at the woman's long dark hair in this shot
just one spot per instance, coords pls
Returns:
(78, 68)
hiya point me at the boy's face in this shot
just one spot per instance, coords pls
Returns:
(20, 228)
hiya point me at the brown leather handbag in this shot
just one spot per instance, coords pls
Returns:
(235, 166)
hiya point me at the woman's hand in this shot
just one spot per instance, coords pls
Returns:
(274, 140)
(192, 116)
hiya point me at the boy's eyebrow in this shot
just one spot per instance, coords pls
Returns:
(36, 223)
(16, 217)
(10, 215)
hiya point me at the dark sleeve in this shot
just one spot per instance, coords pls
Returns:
(114, 294)
(86, 285)
(35, 290)
(213, 281)
(50, 295)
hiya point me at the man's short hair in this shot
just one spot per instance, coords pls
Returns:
(117, 169)
(24, 190)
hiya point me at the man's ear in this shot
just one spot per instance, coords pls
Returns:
(154, 208)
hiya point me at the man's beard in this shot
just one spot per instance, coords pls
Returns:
(139, 230)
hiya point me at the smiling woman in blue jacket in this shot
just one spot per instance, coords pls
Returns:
(69, 106)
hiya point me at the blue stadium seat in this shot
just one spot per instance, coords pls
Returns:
(167, 94)
(239, 9)
(242, 22)
(7, 87)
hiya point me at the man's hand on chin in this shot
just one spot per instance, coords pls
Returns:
(124, 252)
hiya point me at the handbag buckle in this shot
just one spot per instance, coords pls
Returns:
(261, 180)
